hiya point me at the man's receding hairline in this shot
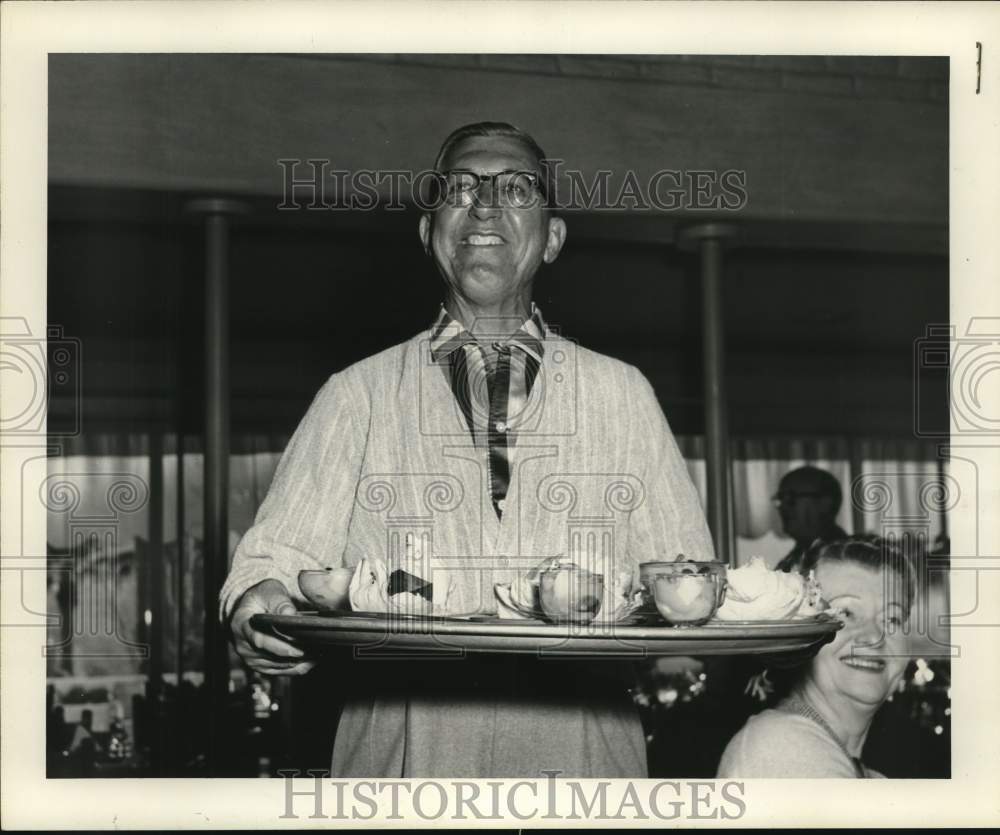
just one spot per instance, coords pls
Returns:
(487, 129)
(449, 153)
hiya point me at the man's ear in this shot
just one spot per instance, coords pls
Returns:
(425, 232)
(556, 239)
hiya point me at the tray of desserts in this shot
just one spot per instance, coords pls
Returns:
(562, 607)
(379, 633)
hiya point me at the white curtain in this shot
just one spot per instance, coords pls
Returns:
(902, 487)
(891, 481)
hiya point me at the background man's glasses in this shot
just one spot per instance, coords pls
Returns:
(790, 497)
(515, 189)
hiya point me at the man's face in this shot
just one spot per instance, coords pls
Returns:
(805, 511)
(488, 251)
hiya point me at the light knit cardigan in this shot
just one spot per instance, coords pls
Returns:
(384, 450)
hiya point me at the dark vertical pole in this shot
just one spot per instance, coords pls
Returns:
(716, 432)
(857, 470)
(942, 478)
(216, 476)
(710, 240)
(142, 558)
(179, 567)
(155, 558)
(216, 488)
(160, 741)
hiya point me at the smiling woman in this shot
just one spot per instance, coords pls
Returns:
(819, 728)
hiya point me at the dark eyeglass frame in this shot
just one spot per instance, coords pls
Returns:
(534, 180)
(792, 496)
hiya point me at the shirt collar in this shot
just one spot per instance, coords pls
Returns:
(448, 334)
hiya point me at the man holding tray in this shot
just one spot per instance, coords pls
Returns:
(496, 443)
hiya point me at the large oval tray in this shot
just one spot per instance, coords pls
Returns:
(382, 634)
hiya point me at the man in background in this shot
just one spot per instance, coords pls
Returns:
(808, 501)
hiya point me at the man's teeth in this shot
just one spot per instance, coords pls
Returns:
(875, 664)
(484, 240)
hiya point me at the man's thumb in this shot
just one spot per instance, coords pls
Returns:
(285, 608)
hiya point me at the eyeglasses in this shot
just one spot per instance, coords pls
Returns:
(790, 497)
(515, 189)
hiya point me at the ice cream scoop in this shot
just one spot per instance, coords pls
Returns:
(687, 592)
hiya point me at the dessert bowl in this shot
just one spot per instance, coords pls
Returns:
(570, 594)
(686, 592)
(326, 588)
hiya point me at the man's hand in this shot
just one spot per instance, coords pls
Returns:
(262, 652)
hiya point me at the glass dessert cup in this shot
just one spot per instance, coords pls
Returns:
(570, 594)
(686, 592)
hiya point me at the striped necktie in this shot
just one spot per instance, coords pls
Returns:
(492, 395)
